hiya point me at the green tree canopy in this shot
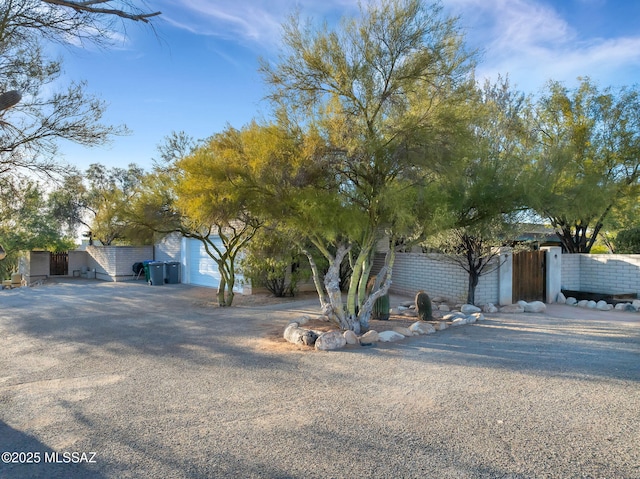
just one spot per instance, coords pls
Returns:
(585, 158)
(486, 189)
(384, 94)
(99, 200)
(26, 223)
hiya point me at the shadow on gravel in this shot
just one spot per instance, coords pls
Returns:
(39, 460)
(136, 319)
(564, 348)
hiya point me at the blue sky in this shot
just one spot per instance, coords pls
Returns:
(198, 70)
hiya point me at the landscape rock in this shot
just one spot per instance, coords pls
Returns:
(571, 301)
(330, 340)
(490, 308)
(582, 303)
(294, 333)
(469, 308)
(478, 316)
(459, 322)
(351, 337)
(623, 307)
(591, 304)
(303, 320)
(444, 307)
(535, 307)
(636, 304)
(603, 306)
(390, 336)
(453, 316)
(297, 335)
(421, 327)
(441, 326)
(369, 337)
(412, 313)
(472, 318)
(404, 331)
(512, 308)
(309, 338)
(561, 298)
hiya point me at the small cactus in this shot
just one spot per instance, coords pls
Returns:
(423, 305)
(381, 308)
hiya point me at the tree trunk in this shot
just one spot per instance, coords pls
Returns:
(381, 287)
(335, 308)
(221, 290)
(474, 278)
(317, 281)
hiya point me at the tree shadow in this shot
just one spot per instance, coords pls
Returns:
(44, 462)
(541, 345)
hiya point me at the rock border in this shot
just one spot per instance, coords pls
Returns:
(633, 306)
(330, 340)
(444, 316)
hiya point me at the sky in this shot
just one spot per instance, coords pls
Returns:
(196, 70)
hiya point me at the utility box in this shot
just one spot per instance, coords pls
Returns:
(156, 273)
(172, 272)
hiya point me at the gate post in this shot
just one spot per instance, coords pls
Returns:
(553, 273)
(505, 276)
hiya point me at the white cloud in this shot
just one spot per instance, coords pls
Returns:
(256, 24)
(532, 43)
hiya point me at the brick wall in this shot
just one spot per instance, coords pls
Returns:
(438, 277)
(609, 273)
(168, 249)
(114, 263)
(571, 271)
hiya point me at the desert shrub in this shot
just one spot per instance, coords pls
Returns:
(273, 263)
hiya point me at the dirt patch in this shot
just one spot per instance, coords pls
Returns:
(206, 297)
(273, 339)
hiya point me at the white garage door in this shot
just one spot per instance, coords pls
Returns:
(200, 269)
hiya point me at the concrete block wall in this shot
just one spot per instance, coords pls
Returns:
(610, 273)
(571, 271)
(169, 248)
(114, 263)
(438, 277)
(78, 260)
(35, 265)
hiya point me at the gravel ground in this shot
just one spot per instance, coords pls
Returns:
(155, 382)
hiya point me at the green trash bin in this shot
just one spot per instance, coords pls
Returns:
(156, 273)
(145, 267)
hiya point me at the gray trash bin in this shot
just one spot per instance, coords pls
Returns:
(172, 272)
(156, 273)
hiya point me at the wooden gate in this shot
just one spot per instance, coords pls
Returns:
(529, 273)
(59, 264)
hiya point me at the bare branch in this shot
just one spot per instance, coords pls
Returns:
(89, 6)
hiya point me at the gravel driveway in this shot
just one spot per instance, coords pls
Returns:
(124, 380)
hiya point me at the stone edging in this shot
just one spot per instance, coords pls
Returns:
(467, 314)
(633, 306)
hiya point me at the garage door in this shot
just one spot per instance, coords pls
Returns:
(200, 268)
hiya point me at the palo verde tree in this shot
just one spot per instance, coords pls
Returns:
(484, 192)
(43, 115)
(27, 223)
(585, 160)
(214, 191)
(229, 185)
(383, 93)
(98, 200)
